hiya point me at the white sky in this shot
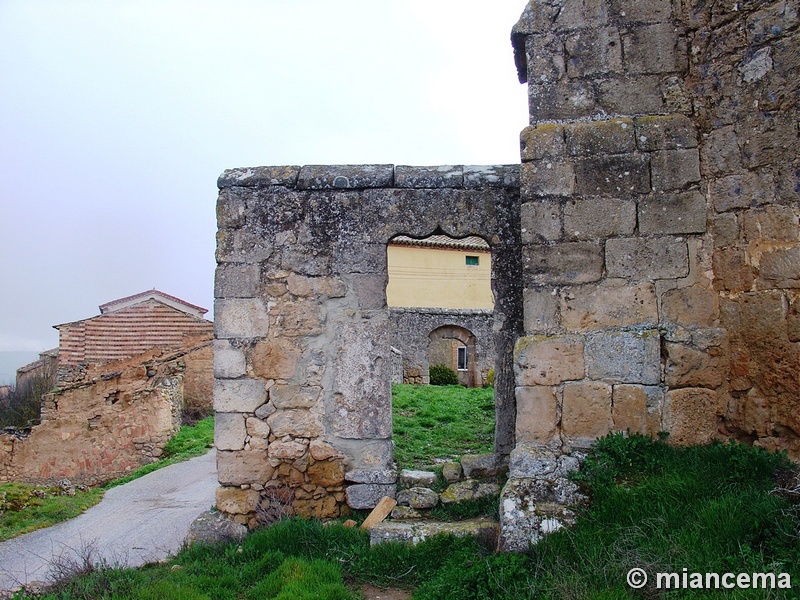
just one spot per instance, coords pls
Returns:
(117, 117)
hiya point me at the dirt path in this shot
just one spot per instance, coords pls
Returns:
(139, 522)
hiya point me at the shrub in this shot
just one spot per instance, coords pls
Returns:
(489, 379)
(22, 407)
(442, 375)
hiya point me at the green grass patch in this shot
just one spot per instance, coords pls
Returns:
(442, 422)
(25, 508)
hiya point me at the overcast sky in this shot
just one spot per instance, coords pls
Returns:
(117, 117)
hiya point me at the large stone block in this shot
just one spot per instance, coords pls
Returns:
(366, 455)
(242, 246)
(580, 14)
(294, 396)
(600, 137)
(721, 153)
(542, 141)
(673, 213)
(240, 318)
(624, 95)
(586, 411)
(362, 394)
(327, 473)
(732, 270)
(637, 408)
(647, 258)
(653, 49)
(771, 224)
(243, 467)
(610, 303)
(236, 501)
(445, 176)
(298, 318)
(565, 263)
(690, 307)
(234, 280)
(345, 177)
(725, 230)
(693, 415)
(229, 361)
(548, 360)
(297, 422)
(547, 178)
(625, 356)
(668, 132)
(780, 268)
(541, 221)
(545, 57)
(636, 11)
(617, 175)
(692, 367)
(593, 52)
(276, 358)
(675, 169)
(566, 101)
(480, 176)
(239, 395)
(259, 176)
(229, 431)
(595, 218)
(537, 414)
(540, 306)
(742, 190)
(364, 495)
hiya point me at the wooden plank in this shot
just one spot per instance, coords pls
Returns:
(379, 513)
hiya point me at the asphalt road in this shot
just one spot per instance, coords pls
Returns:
(139, 522)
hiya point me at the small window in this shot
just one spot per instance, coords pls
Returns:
(472, 261)
(462, 358)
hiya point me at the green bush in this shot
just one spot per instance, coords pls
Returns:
(442, 375)
(489, 378)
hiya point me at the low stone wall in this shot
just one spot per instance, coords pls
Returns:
(118, 418)
(409, 330)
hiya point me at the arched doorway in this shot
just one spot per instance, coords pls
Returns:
(455, 347)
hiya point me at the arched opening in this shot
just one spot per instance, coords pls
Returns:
(455, 348)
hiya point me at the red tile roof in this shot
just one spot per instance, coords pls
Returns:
(129, 330)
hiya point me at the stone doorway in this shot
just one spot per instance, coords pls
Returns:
(455, 347)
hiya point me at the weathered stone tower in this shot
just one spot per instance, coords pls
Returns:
(646, 266)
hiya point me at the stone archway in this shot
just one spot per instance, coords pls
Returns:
(456, 348)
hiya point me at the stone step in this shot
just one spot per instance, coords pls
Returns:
(413, 532)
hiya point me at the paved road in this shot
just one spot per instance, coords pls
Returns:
(139, 522)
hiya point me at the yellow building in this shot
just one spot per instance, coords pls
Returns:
(439, 272)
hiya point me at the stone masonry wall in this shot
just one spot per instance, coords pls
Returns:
(117, 419)
(302, 355)
(659, 221)
(744, 74)
(409, 329)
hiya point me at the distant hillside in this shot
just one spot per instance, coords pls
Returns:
(11, 361)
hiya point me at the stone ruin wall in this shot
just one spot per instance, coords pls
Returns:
(302, 356)
(409, 329)
(650, 265)
(660, 221)
(117, 417)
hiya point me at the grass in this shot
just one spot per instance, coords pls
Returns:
(708, 509)
(25, 508)
(441, 422)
